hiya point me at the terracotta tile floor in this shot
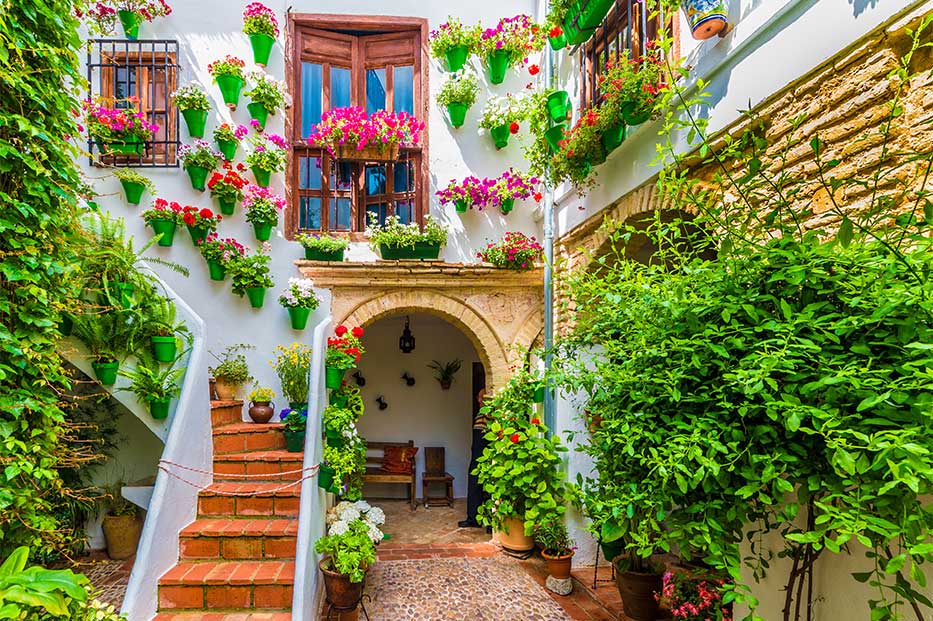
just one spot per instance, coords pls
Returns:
(437, 525)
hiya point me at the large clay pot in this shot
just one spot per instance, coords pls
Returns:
(637, 591)
(559, 566)
(261, 411)
(512, 535)
(339, 590)
(225, 391)
(122, 534)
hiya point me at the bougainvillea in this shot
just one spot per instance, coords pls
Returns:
(515, 251)
(259, 19)
(354, 127)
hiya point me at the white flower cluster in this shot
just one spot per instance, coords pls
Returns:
(300, 292)
(345, 513)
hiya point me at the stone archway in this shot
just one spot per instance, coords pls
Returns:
(500, 311)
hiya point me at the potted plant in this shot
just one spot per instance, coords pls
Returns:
(511, 186)
(218, 253)
(348, 463)
(395, 240)
(262, 210)
(558, 106)
(267, 96)
(459, 93)
(162, 326)
(444, 371)
(294, 423)
(163, 217)
(198, 160)
(350, 552)
(260, 25)
(228, 139)
(261, 407)
(251, 275)
(121, 526)
(707, 18)
(134, 184)
(467, 194)
(118, 131)
(579, 152)
(630, 88)
(231, 372)
(556, 546)
(322, 247)
(200, 222)
(554, 22)
(107, 334)
(154, 386)
(299, 300)
(510, 42)
(453, 43)
(343, 353)
(292, 365)
(191, 99)
(352, 134)
(582, 17)
(131, 13)
(227, 187)
(339, 425)
(269, 154)
(515, 251)
(501, 117)
(228, 73)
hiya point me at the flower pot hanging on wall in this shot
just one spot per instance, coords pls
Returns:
(130, 21)
(457, 57)
(196, 120)
(497, 64)
(707, 18)
(262, 48)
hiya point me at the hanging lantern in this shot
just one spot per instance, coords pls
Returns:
(406, 342)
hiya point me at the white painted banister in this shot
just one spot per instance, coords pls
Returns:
(174, 503)
(306, 599)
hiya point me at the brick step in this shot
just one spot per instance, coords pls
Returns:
(246, 437)
(228, 585)
(259, 462)
(223, 616)
(212, 502)
(232, 539)
(226, 412)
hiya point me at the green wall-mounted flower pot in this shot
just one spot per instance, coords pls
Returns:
(230, 87)
(421, 250)
(333, 377)
(507, 205)
(461, 205)
(500, 136)
(325, 477)
(612, 137)
(263, 177)
(106, 372)
(295, 443)
(134, 149)
(228, 149)
(313, 254)
(165, 228)
(164, 348)
(256, 296)
(196, 120)
(258, 112)
(558, 106)
(298, 317)
(457, 113)
(133, 191)
(635, 115)
(197, 233)
(263, 230)
(558, 43)
(457, 57)
(130, 22)
(573, 32)
(539, 394)
(497, 64)
(262, 48)
(593, 12)
(227, 206)
(198, 176)
(216, 269)
(553, 137)
(158, 408)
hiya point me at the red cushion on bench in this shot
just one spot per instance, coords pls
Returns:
(399, 459)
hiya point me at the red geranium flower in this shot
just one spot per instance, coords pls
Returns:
(514, 438)
(358, 332)
(206, 213)
(538, 196)
(189, 219)
(340, 330)
(534, 69)
(514, 127)
(535, 421)
(556, 31)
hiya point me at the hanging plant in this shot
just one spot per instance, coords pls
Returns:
(163, 217)
(269, 155)
(200, 222)
(198, 160)
(262, 210)
(508, 44)
(227, 188)
(218, 253)
(501, 117)
(120, 131)
(267, 96)
(459, 93)
(260, 25)
(511, 186)
(515, 251)
(134, 184)
(228, 139)
(251, 275)
(470, 193)
(631, 87)
(453, 43)
(352, 134)
(579, 152)
(103, 15)
(299, 300)
(322, 247)
(228, 73)
(194, 105)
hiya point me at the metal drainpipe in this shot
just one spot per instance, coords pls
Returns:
(549, 413)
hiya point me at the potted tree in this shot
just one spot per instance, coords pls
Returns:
(228, 73)
(453, 43)
(260, 25)
(154, 386)
(231, 372)
(292, 365)
(218, 253)
(164, 218)
(322, 247)
(556, 546)
(457, 94)
(262, 210)
(299, 300)
(268, 156)
(267, 96)
(350, 552)
(134, 184)
(344, 350)
(294, 423)
(395, 240)
(192, 100)
(444, 371)
(261, 407)
(251, 275)
(121, 527)
(198, 160)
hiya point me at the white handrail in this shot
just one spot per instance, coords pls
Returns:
(306, 598)
(174, 504)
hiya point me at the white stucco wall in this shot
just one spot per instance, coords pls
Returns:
(424, 412)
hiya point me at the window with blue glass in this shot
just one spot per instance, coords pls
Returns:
(341, 67)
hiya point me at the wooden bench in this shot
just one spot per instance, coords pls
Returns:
(375, 475)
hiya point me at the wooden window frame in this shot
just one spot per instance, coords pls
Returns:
(360, 26)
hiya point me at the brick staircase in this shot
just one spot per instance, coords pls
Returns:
(237, 560)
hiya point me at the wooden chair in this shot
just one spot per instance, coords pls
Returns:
(434, 472)
(375, 475)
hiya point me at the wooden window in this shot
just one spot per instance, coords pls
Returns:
(370, 62)
(628, 26)
(148, 71)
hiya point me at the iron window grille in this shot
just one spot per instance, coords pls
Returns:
(120, 68)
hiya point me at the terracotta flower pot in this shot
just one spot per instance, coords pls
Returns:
(225, 390)
(637, 591)
(339, 590)
(122, 534)
(261, 411)
(559, 566)
(512, 535)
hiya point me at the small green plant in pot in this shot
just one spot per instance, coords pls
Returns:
(292, 365)
(162, 325)
(394, 240)
(121, 525)
(556, 545)
(344, 350)
(102, 333)
(164, 218)
(452, 43)
(502, 116)
(261, 407)
(267, 96)
(134, 184)
(262, 210)
(299, 300)
(251, 275)
(349, 553)
(322, 247)
(218, 253)
(294, 424)
(457, 94)
(339, 425)
(154, 386)
(228, 139)
(199, 160)
(444, 372)
(192, 100)
(231, 372)
(269, 155)
(512, 41)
